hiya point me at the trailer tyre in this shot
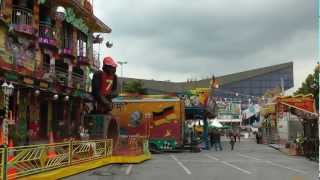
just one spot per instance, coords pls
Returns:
(153, 148)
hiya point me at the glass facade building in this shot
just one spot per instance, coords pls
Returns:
(257, 84)
(240, 86)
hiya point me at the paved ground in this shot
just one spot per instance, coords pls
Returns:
(248, 161)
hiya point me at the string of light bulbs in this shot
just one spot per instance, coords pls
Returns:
(238, 94)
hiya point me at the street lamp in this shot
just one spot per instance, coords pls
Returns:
(109, 44)
(7, 92)
(99, 39)
(55, 97)
(37, 93)
(66, 98)
(122, 63)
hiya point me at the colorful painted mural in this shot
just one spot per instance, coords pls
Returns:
(155, 118)
(23, 51)
(76, 22)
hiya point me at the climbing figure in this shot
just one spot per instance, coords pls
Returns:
(104, 86)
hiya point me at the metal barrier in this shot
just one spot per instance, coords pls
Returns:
(27, 160)
(90, 150)
(22, 161)
(146, 146)
(2, 156)
(129, 145)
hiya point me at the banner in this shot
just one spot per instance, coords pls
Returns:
(229, 110)
(305, 103)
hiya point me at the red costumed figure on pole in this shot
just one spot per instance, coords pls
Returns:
(104, 86)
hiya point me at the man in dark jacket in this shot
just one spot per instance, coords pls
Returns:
(211, 138)
(104, 86)
(232, 142)
(218, 140)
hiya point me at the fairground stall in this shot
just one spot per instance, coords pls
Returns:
(197, 122)
(268, 124)
(290, 123)
(298, 125)
(197, 127)
(229, 113)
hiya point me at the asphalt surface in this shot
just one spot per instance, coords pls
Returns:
(248, 161)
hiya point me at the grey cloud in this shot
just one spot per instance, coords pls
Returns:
(175, 37)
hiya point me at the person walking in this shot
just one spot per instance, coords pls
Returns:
(234, 136)
(232, 140)
(211, 136)
(218, 141)
(260, 137)
(257, 137)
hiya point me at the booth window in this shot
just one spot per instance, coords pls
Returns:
(82, 44)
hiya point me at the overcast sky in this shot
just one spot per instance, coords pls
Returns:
(178, 39)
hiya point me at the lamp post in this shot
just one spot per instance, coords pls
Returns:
(7, 92)
(122, 63)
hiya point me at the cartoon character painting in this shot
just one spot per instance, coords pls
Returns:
(135, 119)
(23, 51)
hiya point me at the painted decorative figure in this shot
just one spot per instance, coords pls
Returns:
(104, 86)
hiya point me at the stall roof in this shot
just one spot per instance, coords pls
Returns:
(195, 112)
(229, 120)
(146, 98)
(304, 103)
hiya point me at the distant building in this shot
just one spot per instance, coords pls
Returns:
(241, 86)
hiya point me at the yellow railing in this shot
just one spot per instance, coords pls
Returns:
(23, 161)
(2, 155)
(129, 145)
(16, 162)
(146, 146)
(26, 160)
(89, 150)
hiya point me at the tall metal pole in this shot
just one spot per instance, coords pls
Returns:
(317, 157)
(282, 86)
(318, 61)
(7, 92)
(5, 120)
(121, 70)
(99, 52)
(122, 63)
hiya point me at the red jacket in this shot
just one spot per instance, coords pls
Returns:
(103, 85)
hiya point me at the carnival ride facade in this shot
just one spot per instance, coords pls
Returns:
(46, 52)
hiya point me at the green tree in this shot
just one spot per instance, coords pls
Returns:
(311, 86)
(134, 86)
